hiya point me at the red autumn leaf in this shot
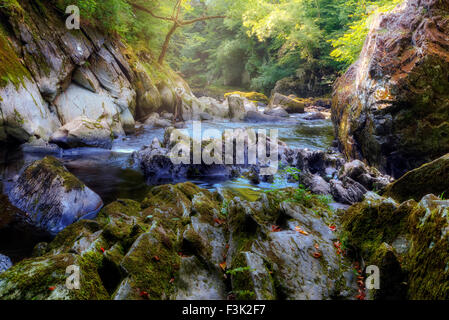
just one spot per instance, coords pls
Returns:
(51, 288)
(102, 250)
(275, 228)
(172, 280)
(337, 244)
(223, 266)
(332, 227)
(218, 221)
(317, 255)
(156, 258)
(144, 294)
(227, 246)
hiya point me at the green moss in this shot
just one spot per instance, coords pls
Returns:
(430, 178)
(148, 273)
(65, 240)
(54, 168)
(11, 68)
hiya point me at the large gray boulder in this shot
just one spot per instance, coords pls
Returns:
(52, 197)
(84, 132)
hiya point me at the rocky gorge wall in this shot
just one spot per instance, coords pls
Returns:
(50, 76)
(391, 108)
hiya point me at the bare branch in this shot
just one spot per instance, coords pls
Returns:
(141, 8)
(187, 22)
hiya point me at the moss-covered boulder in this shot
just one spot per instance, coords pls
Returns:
(291, 104)
(433, 177)
(409, 242)
(282, 248)
(52, 197)
(252, 96)
(45, 278)
(391, 106)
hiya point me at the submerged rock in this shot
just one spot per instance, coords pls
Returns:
(52, 197)
(390, 107)
(277, 112)
(5, 263)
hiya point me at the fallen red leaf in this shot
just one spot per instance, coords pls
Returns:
(156, 258)
(172, 280)
(51, 288)
(332, 227)
(317, 255)
(102, 250)
(219, 222)
(144, 294)
(275, 228)
(223, 266)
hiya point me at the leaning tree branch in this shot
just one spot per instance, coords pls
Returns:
(187, 22)
(141, 8)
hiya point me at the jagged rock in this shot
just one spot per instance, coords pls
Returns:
(52, 197)
(237, 110)
(5, 263)
(347, 191)
(215, 108)
(195, 282)
(315, 183)
(432, 177)
(83, 132)
(408, 242)
(390, 107)
(260, 256)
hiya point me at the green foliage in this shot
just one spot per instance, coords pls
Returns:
(237, 270)
(347, 47)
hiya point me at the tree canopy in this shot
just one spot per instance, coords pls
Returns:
(255, 44)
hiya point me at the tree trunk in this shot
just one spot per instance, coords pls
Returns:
(167, 42)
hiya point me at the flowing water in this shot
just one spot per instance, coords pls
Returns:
(112, 174)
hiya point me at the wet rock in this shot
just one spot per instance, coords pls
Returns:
(215, 108)
(347, 191)
(277, 112)
(83, 132)
(315, 116)
(5, 263)
(154, 120)
(237, 110)
(315, 183)
(52, 197)
(390, 106)
(257, 117)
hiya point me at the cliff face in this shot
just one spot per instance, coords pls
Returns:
(50, 75)
(391, 108)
